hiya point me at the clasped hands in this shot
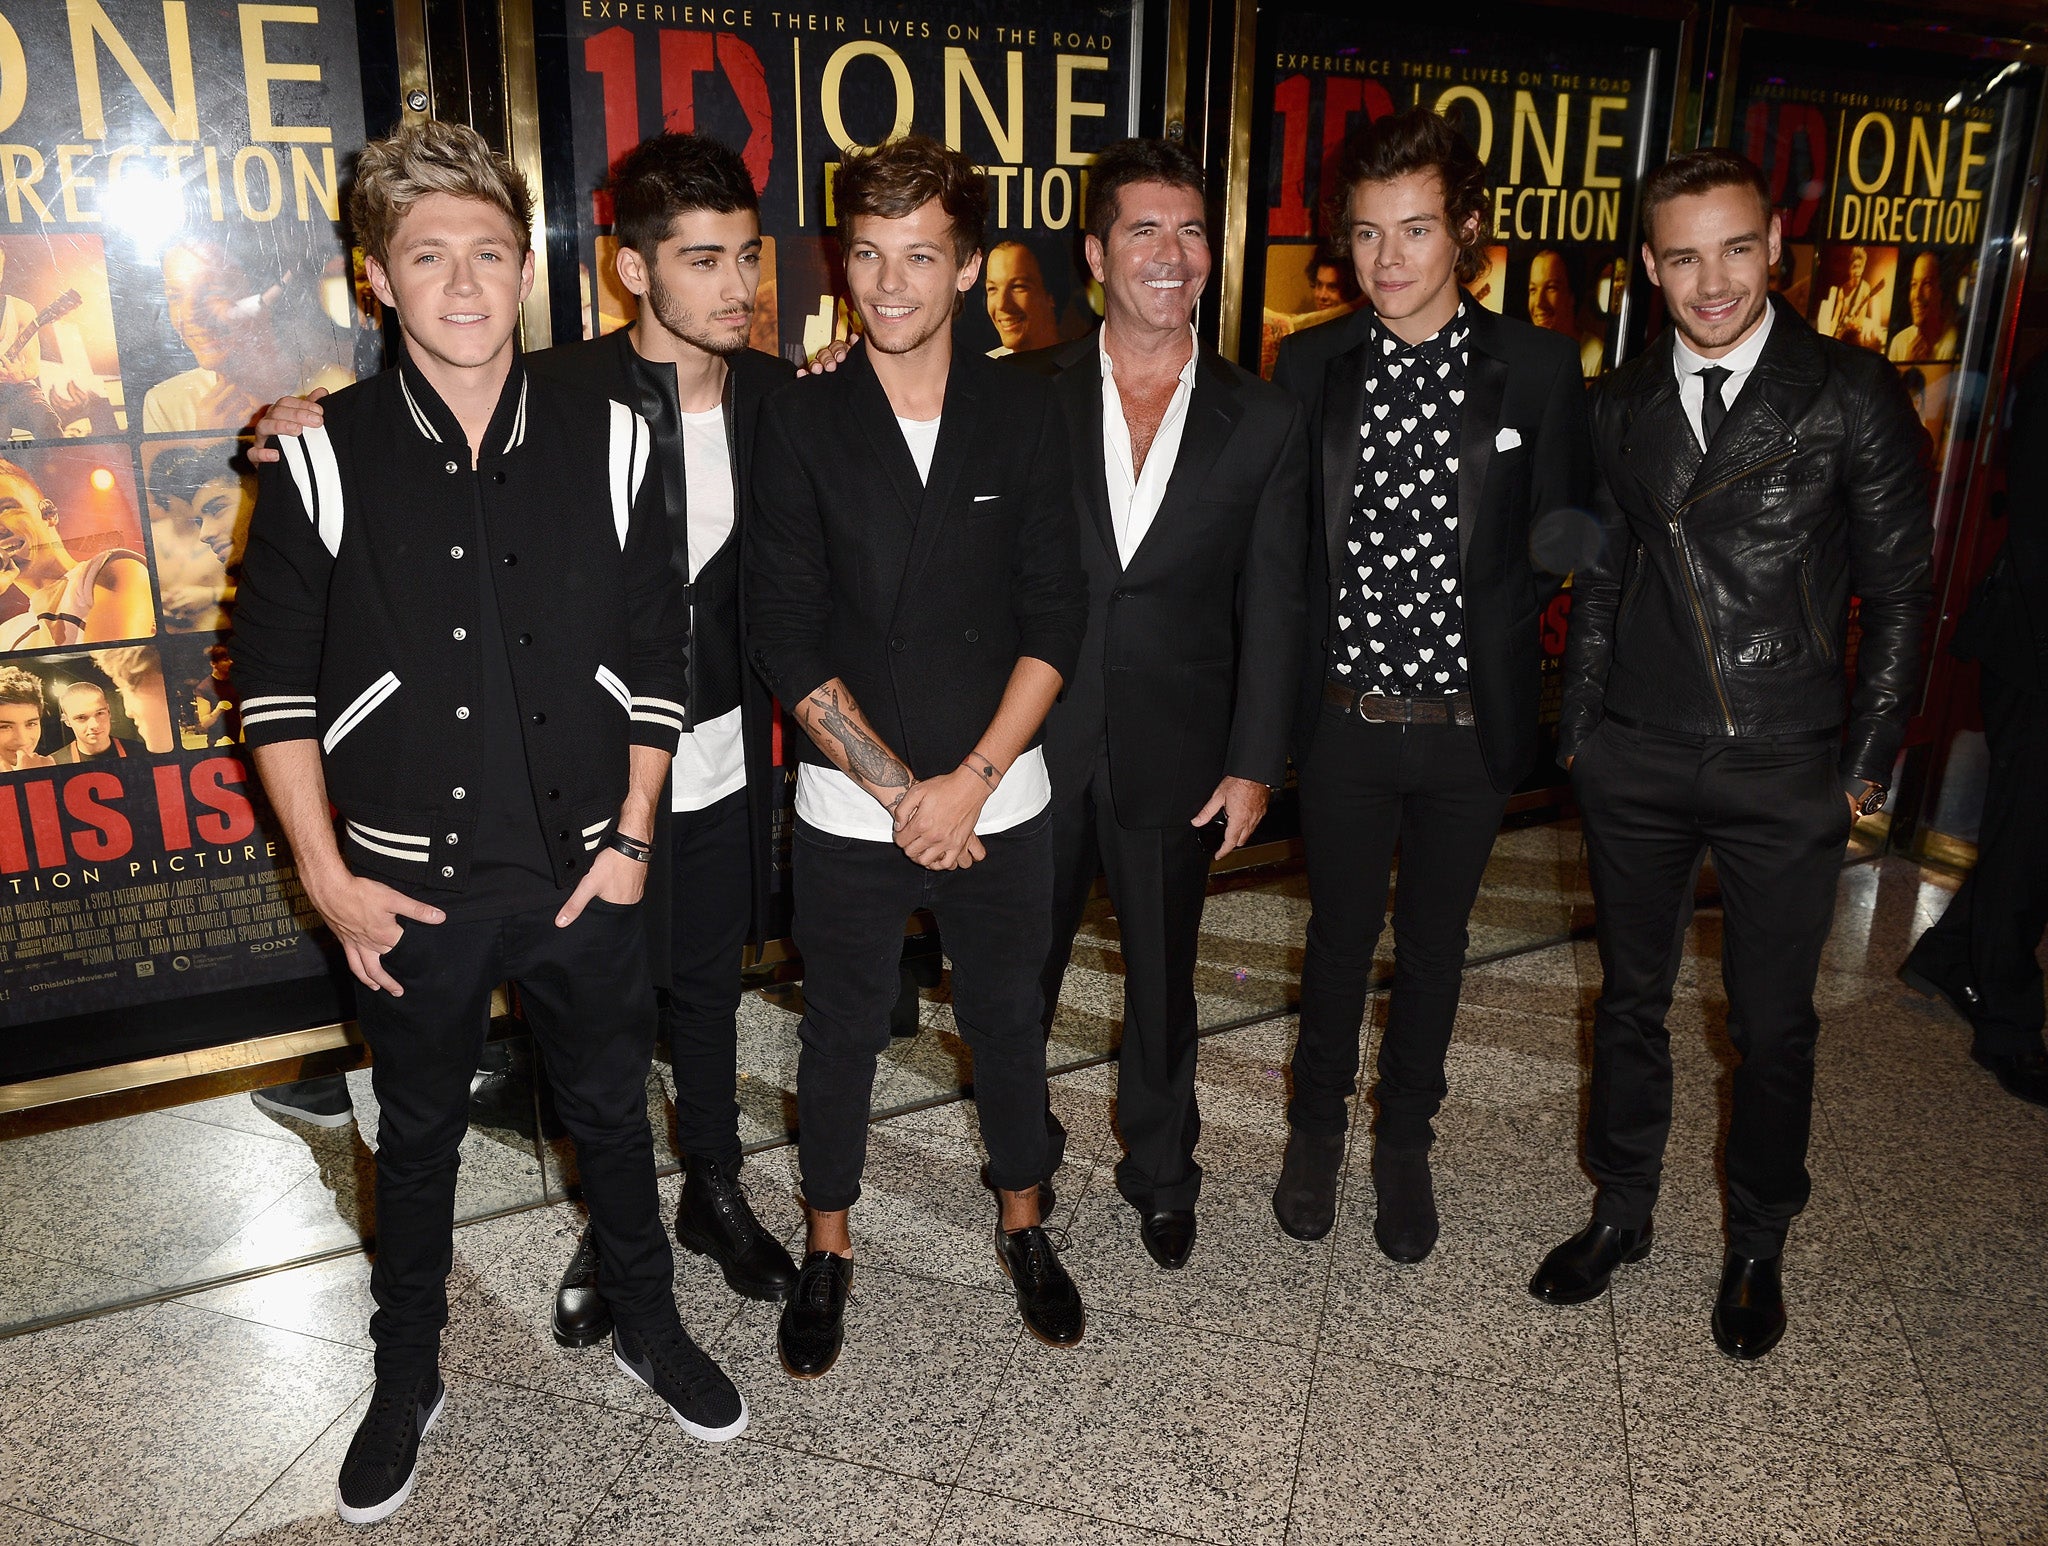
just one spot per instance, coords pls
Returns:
(935, 819)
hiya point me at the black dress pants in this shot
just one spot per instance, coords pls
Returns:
(1773, 815)
(585, 993)
(1990, 934)
(711, 901)
(1366, 789)
(1158, 878)
(852, 897)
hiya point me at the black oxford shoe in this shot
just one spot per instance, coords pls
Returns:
(1405, 1222)
(1305, 1199)
(1579, 1269)
(1930, 982)
(1169, 1236)
(581, 1316)
(813, 1325)
(1749, 1312)
(714, 1219)
(1047, 1300)
(2024, 1074)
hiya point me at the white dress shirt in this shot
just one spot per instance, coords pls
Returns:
(832, 802)
(1738, 362)
(1134, 495)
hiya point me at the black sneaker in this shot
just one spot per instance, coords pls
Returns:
(702, 1400)
(1046, 1296)
(715, 1219)
(813, 1325)
(383, 1457)
(322, 1102)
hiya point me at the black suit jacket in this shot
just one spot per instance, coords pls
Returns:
(1518, 377)
(920, 597)
(1189, 665)
(2006, 627)
(605, 366)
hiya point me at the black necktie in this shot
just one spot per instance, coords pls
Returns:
(1713, 409)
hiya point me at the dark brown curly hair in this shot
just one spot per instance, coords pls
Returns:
(1417, 140)
(901, 177)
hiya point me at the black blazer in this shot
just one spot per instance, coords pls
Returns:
(1519, 377)
(1189, 665)
(2006, 626)
(920, 597)
(605, 366)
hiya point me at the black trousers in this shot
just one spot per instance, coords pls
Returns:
(586, 998)
(852, 897)
(1990, 933)
(1773, 815)
(712, 899)
(1158, 879)
(1366, 789)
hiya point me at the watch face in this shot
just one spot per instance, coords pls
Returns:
(1872, 801)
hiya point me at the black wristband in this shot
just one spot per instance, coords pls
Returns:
(631, 847)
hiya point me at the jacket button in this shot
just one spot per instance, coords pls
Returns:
(447, 872)
(460, 793)
(511, 558)
(540, 719)
(554, 794)
(526, 638)
(455, 552)
(497, 477)
(462, 713)
(895, 644)
(1123, 595)
(453, 840)
(973, 637)
(451, 467)
(562, 836)
(461, 634)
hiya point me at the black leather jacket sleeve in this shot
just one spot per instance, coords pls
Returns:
(1589, 643)
(1891, 535)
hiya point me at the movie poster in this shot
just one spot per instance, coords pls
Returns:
(170, 261)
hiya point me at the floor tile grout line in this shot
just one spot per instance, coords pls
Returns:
(611, 1487)
(1315, 1353)
(312, 1443)
(30, 1513)
(1076, 1513)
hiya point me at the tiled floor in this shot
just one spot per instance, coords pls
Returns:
(1271, 1392)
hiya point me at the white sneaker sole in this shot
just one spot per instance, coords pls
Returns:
(377, 1513)
(731, 1430)
(299, 1114)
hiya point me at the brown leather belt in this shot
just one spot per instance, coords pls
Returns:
(1378, 709)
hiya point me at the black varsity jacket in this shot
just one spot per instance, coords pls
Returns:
(356, 616)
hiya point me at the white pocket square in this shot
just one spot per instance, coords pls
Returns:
(1507, 440)
(984, 498)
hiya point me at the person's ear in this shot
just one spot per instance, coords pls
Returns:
(632, 270)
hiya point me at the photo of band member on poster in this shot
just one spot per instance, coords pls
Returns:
(170, 262)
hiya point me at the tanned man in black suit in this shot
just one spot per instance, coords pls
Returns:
(1191, 483)
(1753, 476)
(689, 229)
(1448, 442)
(916, 602)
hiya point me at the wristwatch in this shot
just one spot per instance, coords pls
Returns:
(1869, 797)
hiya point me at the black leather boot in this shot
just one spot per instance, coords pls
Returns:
(1581, 1268)
(1405, 1222)
(714, 1219)
(1305, 1200)
(581, 1316)
(1749, 1311)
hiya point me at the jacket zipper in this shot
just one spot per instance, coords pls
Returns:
(1827, 651)
(1736, 477)
(1699, 617)
(1635, 584)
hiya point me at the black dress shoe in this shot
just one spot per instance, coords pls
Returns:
(1305, 1200)
(2024, 1074)
(581, 1316)
(1749, 1312)
(714, 1219)
(1046, 1197)
(1932, 982)
(1405, 1223)
(1169, 1236)
(813, 1325)
(1046, 1296)
(1579, 1269)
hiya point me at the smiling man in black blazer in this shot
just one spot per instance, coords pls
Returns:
(915, 601)
(1191, 481)
(1451, 447)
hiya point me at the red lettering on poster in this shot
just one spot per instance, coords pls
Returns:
(1554, 624)
(108, 835)
(170, 807)
(13, 849)
(42, 820)
(1290, 216)
(1773, 151)
(609, 56)
(229, 816)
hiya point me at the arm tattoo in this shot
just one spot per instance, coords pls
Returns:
(981, 768)
(866, 758)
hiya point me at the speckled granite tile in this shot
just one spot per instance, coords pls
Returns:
(1151, 1426)
(1390, 1454)
(38, 1288)
(1843, 1373)
(920, 1366)
(1961, 1229)
(159, 1424)
(1697, 1486)
(502, 1465)
(975, 1518)
(23, 1529)
(2009, 1510)
(330, 1299)
(1983, 1365)
(764, 1494)
(243, 1115)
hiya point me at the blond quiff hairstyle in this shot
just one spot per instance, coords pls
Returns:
(394, 174)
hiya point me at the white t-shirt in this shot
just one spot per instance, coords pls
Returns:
(711, 760)
(833, 802)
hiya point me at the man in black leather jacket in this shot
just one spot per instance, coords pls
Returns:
(1752, 477)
